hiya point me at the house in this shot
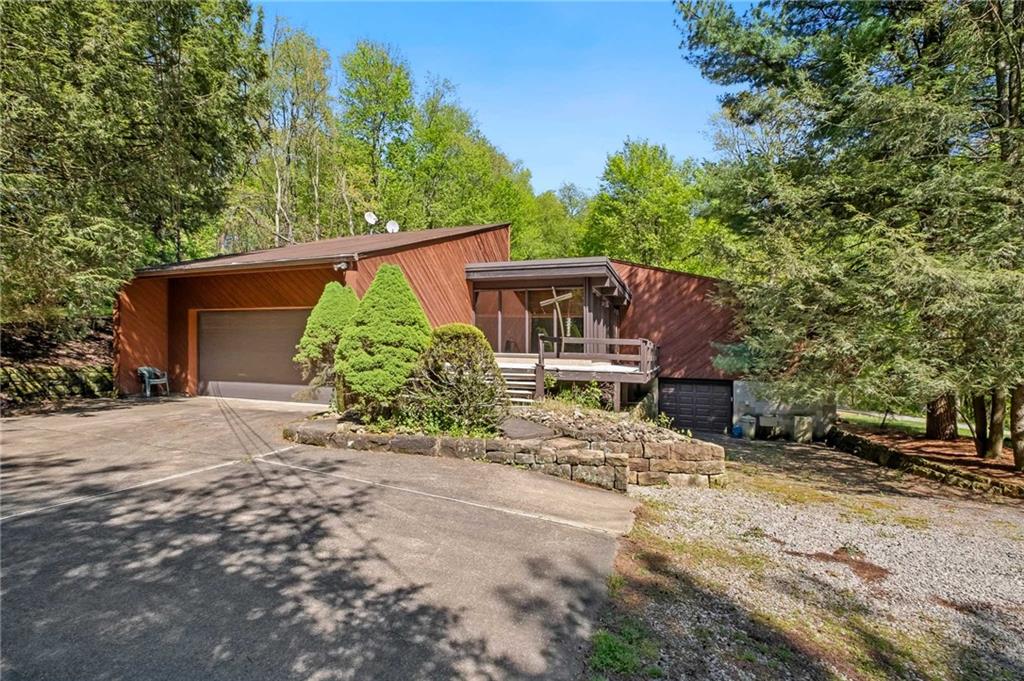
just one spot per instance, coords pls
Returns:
(228, 325)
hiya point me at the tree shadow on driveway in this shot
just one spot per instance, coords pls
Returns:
(257, 573)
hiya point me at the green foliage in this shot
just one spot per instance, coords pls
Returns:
(629, 651)
(123, 123)
(381, 345)
(646, 212)
(588, 395)
(319, 342)
(457, 387)
(872, 172)
(24, 385)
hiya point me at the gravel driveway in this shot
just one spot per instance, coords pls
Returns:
(814, 563)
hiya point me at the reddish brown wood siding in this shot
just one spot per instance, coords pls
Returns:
(435, 271)
(673, 310)
(140, 331)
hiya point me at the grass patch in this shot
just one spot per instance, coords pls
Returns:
(910, 425)
(785, 490)
(628, 650)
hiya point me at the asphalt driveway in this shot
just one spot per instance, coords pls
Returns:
(186, 539)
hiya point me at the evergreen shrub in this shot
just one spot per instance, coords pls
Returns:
(381, 346)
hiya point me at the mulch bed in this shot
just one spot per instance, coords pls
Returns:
(958, 452)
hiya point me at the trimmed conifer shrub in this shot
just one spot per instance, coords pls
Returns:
(457, 387)
(316, 348)
(381, 346)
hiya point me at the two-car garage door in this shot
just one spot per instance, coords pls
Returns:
(703, 406)
(248, 353)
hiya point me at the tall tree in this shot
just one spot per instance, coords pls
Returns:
(377, 103)
(122, 125)
(646, 211)
(888, 233)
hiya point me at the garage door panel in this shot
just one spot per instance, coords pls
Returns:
(248, 353)
(697, 405)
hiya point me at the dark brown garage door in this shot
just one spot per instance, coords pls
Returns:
(697, 405)
(249, 354)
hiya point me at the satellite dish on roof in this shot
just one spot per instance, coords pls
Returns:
(371, 217)
(391, 226)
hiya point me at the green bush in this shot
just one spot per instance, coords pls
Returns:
(587, 395)
(381, 346)
(316, 349)
(457, 387)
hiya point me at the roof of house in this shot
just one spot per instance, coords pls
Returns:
(327, 251)
(524, 271)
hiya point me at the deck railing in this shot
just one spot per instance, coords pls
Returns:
(638, 352)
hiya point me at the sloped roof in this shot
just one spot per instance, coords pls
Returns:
(327, 251)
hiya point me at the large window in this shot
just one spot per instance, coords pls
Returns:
(512, 319)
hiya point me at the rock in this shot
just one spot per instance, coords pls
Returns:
(688, 467)
(461, 448)
(366, 441)
(515, 428)
(621, 478)
(695, 450)
(639, 464)
(498, 456)
(718, 481)
(616, 459)
(657, 450)
(586, 457)
(601, 476)
(317, 433)
(687, 480)
(524, 458)
(560, 470)
(651, 478)
(414, 444)
(562, 443)
(632, 478)
(546, 455)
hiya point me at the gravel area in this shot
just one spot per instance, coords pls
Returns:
(813, 563)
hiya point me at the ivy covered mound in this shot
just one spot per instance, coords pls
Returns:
(319, 343)
(457, 388)
(381, 346)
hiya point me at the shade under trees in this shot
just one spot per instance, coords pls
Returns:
(122, 125)
(872, 155)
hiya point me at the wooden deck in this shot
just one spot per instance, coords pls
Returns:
(605, 360)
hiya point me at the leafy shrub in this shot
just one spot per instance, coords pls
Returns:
(381, 346)
(457, 387)
(587, 395)
(319, 342)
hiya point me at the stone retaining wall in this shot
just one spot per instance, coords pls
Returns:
(611, 465)
(866, 448)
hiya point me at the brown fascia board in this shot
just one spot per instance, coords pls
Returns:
(195, 267)
(298, 263)
(560, 268)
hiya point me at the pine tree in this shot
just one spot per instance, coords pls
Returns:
(381, 346)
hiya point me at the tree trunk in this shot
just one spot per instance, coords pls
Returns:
(1017, 425)
(941, 419)
(980, 409)
(997, 417)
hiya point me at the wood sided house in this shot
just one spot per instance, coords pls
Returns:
(228, 325)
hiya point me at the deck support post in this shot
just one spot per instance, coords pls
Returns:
(617, 396)
(538, 378)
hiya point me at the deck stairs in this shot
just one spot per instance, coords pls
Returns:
(520, 382)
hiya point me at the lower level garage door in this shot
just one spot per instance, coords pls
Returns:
(697, 405)
(249, 354)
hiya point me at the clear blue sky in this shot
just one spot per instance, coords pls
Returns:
(555, 85)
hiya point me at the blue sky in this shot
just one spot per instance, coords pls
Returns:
(555, 85)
